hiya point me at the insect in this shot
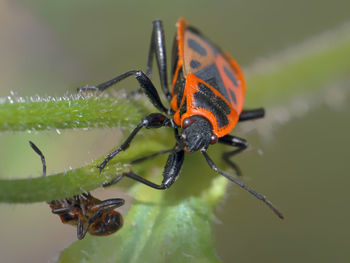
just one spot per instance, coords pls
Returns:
(86, 212)
(206, 102)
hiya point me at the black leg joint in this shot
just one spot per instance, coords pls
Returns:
(173, 167)
(155, 120)
(145, 83)
(248, 115)
(234, 141)
(150, 91)
(157, 47)
(170, 174)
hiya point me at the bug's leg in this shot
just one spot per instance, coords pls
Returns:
(170, 174)
(62, 210)
(104, 206)
(157, 46)
(81, 230)
(227, 158)
(109, 204)
(145, 83)
(245, 187)
(236, 142)
(154, 120)
(42, 157)
(248, 115)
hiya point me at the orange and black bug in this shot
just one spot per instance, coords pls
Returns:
(206, 102)
(87, 213)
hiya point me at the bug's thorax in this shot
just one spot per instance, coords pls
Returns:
(197, 134)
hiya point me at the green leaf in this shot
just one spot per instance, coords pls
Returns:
(154, 232)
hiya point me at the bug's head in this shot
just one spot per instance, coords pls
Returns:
(197, 134)
(108, 223)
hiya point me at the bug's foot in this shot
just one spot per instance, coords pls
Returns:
(104, 163)
(87, 88)
(114, 181)
(101, 166)
(108, 158)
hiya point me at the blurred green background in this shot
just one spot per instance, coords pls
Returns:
(298, 157)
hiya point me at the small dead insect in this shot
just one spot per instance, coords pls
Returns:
(87, 213)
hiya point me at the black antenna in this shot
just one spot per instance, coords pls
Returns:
(36, 149)
(257, 195)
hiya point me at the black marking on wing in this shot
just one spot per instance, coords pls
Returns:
(211, 75)
(179, 86)
(233, 96)
(206, 99)
(206, 90)
(215, 49)
(230, 76)
(196, 47)
(183, 107)
(212, 82)
(195, 64)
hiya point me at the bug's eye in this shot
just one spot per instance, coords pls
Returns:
(187, 122)
(214, 139)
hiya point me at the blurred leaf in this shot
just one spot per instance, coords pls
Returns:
(303, 69)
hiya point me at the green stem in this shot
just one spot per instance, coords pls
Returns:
(71, 112)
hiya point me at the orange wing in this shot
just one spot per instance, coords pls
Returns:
(206, 61)
(199, 60)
